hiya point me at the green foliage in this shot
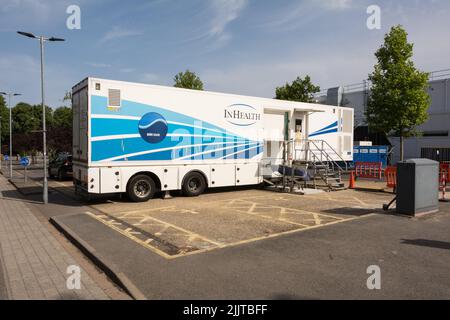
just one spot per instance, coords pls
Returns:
(301, 90)
(27, 118)
(4, 114)
(399, 101)
(23, 117)
(62, 117)
(188, 80)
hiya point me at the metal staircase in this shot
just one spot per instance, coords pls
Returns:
(318, 158)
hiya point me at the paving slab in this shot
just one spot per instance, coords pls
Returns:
(35, 263)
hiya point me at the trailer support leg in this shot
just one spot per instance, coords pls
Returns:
(166, 195)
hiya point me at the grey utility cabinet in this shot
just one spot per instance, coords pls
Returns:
(417, 186)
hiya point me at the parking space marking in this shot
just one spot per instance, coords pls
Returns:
(348, 200)
(360, 201)
(145, 218)
(127, 213)
(171, 241)
(128, 235)
(142, 237)
(146, 243)
(187, 232)
(250, 206)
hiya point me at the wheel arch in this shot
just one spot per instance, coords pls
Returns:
(149, 174)
(195, 171)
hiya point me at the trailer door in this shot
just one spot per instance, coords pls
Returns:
(346, 141)
(80, 125)
(76, 125)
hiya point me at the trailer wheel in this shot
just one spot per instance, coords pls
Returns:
(141, 188)
(194, 184)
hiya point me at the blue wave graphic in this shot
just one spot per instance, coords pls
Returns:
(125, 149)
(328, 129)
(151, 123)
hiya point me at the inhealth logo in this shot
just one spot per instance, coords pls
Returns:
(153, 127)
(242, 115)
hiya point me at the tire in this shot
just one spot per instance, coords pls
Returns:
(194, 184)
(141, 188)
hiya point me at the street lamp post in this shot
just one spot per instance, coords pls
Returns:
(1, 154)
(42, 39)
(9, 95)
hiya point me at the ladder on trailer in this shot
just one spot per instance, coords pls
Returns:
(316, 159)
(324, 165)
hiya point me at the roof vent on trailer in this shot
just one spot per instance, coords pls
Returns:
(114, 99)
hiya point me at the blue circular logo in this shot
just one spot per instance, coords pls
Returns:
(153, 127)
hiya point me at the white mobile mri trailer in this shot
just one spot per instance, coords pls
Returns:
(139, 139)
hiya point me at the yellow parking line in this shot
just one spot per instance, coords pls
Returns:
(251, 211)
(301, 211)
(187, 231)
(130, 236)
(275, 235)
(221, 246)
(350, 200)
(127, 213)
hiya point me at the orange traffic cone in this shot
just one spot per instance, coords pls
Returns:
(351, 185)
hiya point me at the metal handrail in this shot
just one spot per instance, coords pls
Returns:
(328, 159)
(340, 157)
(327, 156)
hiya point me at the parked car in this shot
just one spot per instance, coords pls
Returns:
(61, 167)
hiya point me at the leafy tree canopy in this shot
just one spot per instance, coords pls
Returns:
(398, 101)
(301, 90)
(27, 118)
(188, 80)
(4, 115)
(62, 117)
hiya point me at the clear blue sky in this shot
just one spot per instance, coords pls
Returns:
(237, 46)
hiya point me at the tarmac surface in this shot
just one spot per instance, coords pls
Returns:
(323, 263)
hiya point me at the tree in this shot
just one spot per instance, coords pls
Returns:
(188, 80)
(37, 114)
(27, 118)
(62, 118)
(68, 97)
(398, 101)
(4, 115)
(301, 90)
(24, 119)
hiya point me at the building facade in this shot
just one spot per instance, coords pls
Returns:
(433, 143)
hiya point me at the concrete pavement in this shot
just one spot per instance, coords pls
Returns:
(35, 263)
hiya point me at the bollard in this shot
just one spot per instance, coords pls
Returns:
(444, 186)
